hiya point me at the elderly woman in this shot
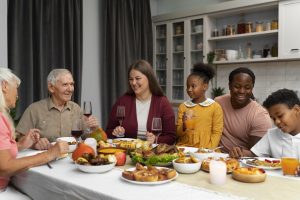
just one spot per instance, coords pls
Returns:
(143, 101)
(9, 148)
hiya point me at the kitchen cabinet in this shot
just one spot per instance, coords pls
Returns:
(178, 45)
(250, 32)
(289, 29)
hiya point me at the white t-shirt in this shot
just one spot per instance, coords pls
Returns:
(277, 144)
(142, 112)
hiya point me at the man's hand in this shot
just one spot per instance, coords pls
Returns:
(236, 152)
(150, 137)
(118, 131)
(91, 122)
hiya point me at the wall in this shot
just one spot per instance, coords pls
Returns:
(270, 76)
(91, 54)
(3, 33)
(159, 7)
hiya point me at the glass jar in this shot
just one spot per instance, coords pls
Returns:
(249, 27)
(274, 25)
(241, 27)
(268, 26)
(259, 27)
(229, 30)
(249, 50)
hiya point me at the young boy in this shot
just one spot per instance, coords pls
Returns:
(284, 140)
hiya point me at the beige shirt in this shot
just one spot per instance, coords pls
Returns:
(52, 122)
(241, 124)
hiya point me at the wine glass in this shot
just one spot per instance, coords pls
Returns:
(76, 130)
(120, 114)
(87, 111)
(156, 127)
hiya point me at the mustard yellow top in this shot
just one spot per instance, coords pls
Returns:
(208, 128)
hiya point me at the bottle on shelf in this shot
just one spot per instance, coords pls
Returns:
(249, 50)
(274, 50)
(240, 53)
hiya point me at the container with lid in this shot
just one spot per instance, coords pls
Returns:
(249, 27)
(259, 26)
(274, 25)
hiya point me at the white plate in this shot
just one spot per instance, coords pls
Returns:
(148, 183)
(95, 168)
(188, 149)
(244, 161)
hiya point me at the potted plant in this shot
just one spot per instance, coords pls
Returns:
(217, 91)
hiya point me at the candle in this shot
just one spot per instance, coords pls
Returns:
(217, 171)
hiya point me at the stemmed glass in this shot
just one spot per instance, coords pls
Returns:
(120, 116)
(156, 127)
(76, 130)
(87, 111)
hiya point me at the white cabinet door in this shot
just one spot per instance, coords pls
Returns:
(178, 45)
(289, 29)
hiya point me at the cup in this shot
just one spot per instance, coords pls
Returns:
(289, 165)
(190, 120)
(217, 172)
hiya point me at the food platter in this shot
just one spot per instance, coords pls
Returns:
(117, 140)
(251, 162)
(148, 183)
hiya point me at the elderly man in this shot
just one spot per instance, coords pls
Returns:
(52, 117)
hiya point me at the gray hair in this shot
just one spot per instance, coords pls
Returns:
(9, 77)
(54, 75)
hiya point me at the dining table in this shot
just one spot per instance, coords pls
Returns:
(64, 181)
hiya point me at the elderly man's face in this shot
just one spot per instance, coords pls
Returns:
(63, 89)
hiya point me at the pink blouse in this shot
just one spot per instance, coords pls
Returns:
(6, 143)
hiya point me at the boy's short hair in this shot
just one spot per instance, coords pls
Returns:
(282, 96)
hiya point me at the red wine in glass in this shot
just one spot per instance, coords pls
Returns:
(76, 130)
(87, 114)
(76, 133)
(156, 127)
(87, 108)
(87, 111)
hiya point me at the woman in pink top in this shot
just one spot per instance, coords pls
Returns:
(9, 165)
(245, 120)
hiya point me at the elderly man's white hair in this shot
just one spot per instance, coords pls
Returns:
(54, 75)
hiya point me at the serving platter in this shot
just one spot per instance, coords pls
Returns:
(249, 162)
(149, 183)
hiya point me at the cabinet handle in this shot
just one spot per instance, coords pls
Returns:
(294, 50)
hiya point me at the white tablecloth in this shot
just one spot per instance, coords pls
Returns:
(64, 181)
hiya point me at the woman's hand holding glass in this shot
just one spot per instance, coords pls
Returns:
(188, 120)
(119, 131)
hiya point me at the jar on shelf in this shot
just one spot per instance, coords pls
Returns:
(224, 30)
(259, 26)
(249, 27)
(268, 26)
(274, 25)
(230, 29)
(241, 27)
(215, 33)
